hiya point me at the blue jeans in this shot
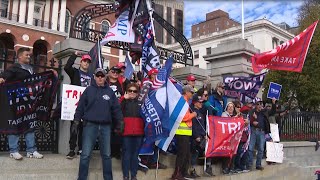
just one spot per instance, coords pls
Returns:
(90, 133)
(30, 142)
(130, 152)
(256, 138)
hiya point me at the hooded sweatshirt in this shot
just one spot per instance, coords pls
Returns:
(98, 104)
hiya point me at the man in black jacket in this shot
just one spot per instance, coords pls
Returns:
(99, 109)
(260, 126)
(20, 71)
(78, 77)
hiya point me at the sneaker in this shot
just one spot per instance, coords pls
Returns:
(208, 171)
(134, 178)
(188, 176)
(35, 154)
(16, 156)
(194, 174)
(225, 171)
(79, 152)
(71, 155)
(245, 170)
(125, 178)
(239, 170)
(260, 168)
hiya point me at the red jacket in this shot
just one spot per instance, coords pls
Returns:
(133, 123)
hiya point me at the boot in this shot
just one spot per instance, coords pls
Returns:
(208, 171)
(177, 174)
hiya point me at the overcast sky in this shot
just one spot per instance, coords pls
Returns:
(275, 11)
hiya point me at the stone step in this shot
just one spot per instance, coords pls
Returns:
(312, 160)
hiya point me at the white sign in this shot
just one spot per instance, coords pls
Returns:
(274, 132)
(274, 152)
(70, 98)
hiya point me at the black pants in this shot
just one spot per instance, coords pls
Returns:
(183, 153)
(74, 137)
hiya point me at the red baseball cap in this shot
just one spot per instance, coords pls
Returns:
(85, 57)
(153, 71)
(121, 65)
(191, 77)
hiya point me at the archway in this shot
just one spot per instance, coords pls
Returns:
(7, 53)
(39, 54)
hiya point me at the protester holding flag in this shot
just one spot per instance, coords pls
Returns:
(198, 139)
(259, 121)
(100, 110)
(79, 77)
(20, 71)
(133, 131)
(183, 134)
(240, 161)
(217, 98)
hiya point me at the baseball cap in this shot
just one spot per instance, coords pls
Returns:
(121, 65)
(197, 98)
(100, 70)
(115, 68)
(86, 56)
(249, 101)
(191, 77)
(153, 71)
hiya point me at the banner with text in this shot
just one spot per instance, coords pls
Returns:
(225, 134)
(289, 56)
(24, 102)
(241, 87)
(70, 98)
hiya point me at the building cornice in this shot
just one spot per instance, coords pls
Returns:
(31, 27)
(263, 23)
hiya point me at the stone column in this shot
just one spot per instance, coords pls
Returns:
(30, 12)
(54, 17)
(47, 13)
(63, 10)
(63, 51)
(22, 11)
(15, 6)
(182, 73)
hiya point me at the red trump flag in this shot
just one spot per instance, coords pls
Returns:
(289, 56)
(225, 134)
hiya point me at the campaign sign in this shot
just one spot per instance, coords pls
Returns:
(70, 98)
(274, 90)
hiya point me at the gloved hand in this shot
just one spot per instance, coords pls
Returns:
(74, 127)
(119, 128)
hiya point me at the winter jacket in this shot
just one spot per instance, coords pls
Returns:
(215, 99)
(72, 72)
(98, 104)
(266, 113)
(15, 73)
(197, 130)
(133, 123)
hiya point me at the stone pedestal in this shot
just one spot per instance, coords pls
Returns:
(63, 51)
(231, 57)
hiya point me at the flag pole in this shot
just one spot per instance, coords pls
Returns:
(242, 19)
(150, 11)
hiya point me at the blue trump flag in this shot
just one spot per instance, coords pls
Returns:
(154, 110)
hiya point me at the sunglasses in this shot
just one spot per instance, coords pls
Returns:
(238, 107)
(205, 95)
(132, 91)
(115, 72)
(100, 75)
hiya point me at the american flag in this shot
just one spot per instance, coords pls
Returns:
(163, 74)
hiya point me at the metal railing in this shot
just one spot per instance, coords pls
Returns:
(300, 126)
(7, 15)
(41, 23)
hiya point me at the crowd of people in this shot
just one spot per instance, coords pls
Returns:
(109, 111)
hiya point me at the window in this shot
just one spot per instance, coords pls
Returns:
(169, 19)
(197, 28)
(216, 23)
(227, 23)
(37, 9)
(208, 50)
(105, 25)
(4, 8)
(281, 42)
(196, 54)
(217, 29)
(67, 21)
(196, 66)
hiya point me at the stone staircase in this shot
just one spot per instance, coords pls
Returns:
(300, 164)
